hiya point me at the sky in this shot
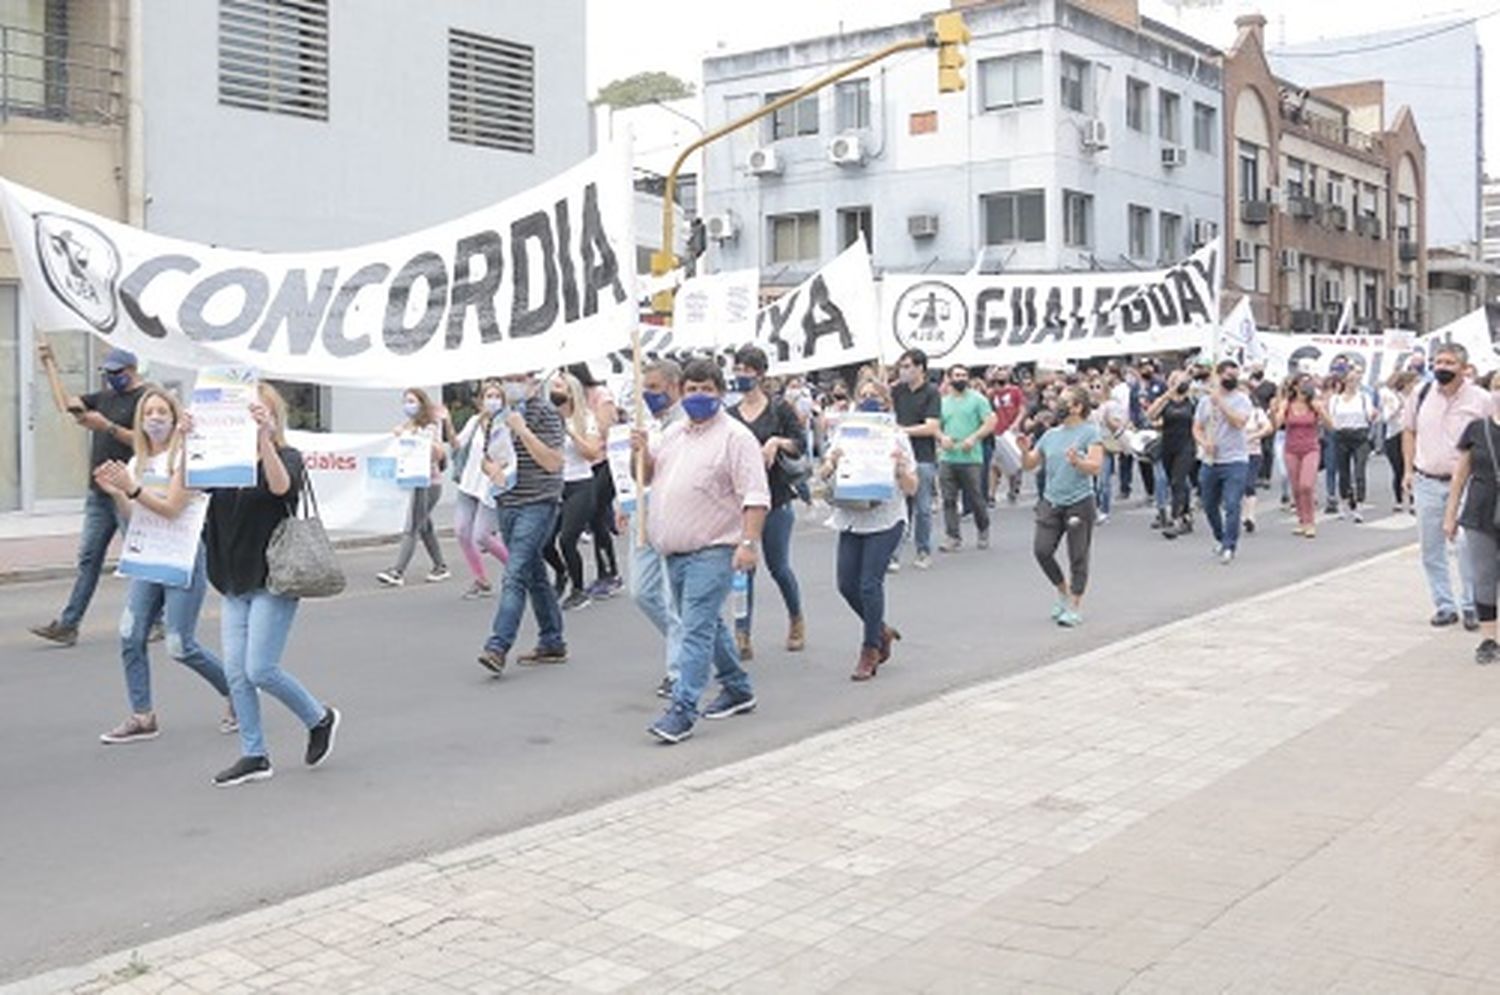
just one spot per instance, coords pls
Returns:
(627, 36)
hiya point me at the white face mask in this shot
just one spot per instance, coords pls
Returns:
(494, 405)
(411, 408)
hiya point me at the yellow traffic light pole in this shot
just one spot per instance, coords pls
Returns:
(948, 34)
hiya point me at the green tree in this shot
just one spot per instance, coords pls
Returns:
(643, 88)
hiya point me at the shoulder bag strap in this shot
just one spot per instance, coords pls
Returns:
(1489, 443)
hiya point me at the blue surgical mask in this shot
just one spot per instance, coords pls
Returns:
(411, 408)
(744, 384)
(494, 405)
(656, 401)
(118, 382)
(871, 404)
(701, 407)
(157, 429)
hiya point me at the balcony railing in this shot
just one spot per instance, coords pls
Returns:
(1328, 130)
(53, 76)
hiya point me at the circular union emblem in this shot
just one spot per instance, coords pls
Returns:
(931, 316)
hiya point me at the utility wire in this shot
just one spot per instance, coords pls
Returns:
(1393, 43)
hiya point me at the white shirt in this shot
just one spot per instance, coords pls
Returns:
(575, 467)
(1351, 412)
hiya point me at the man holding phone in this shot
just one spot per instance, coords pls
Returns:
(109, 416)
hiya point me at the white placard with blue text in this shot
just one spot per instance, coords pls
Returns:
(222, 448)
(160, 549)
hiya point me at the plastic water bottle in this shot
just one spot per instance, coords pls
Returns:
(740, 592)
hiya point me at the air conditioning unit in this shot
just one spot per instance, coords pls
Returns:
(1244, 250)
(1400, 297)
(1095, 134)
(764, 162)
(721, 227)
(847, 150)
(1289, 259)
(1333, 293)
(1204, 231)
(922, 225)
(1173, 156)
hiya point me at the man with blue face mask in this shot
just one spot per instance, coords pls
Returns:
(109, 416)
(709, 497)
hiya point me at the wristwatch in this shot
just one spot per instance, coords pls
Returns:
(748, 543)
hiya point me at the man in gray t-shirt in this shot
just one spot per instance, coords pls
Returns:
(1219, 430)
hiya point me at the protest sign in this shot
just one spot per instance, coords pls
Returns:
(541, 279)
(413, 460)
(222, 449)
(719, 307)
(621, 468)
(161, 549)
(866, 473)
(1239, 339)
(354, 475)
(1003, 318)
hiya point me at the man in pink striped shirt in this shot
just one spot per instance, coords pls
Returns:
(709, 497)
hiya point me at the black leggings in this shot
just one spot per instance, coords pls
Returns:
(602, 521)
(1076, 521)
(1397, 459)
(1351, 451)
(561, 553)
(1179, 465)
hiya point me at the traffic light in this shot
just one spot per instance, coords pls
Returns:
(950, 34)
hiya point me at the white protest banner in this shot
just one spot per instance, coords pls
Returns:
(866, 472)
(716, 308)
(621, 469)
(160, 549)
(1239, 339)
(541, 279)
(222, 448)
(354, 477)
(1472, 331)
(1007, 318)
(1316, 354)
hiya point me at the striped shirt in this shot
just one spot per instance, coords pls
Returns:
(533, 484)
(705, 474)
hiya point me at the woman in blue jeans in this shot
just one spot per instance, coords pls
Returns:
(869, 532)
(255, 622)
(776, 426)
(154, 480)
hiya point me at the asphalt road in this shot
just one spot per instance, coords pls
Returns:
(102, 848)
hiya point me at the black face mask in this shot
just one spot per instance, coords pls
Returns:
(1182, 388)
(1230, 383)
(960, 385)
(558, 400)
(1444, 377)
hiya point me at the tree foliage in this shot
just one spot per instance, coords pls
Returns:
(643, 88)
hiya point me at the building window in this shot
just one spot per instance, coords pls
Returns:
(1405, 215)
(1014, 217)
(1075, 83)
(1170, 109)
(1294, 177)
(800, 118)
(794, 237)
(1011, 81)
(273, 56)
(1249, 172)
(1140, 232)
(1137, 112)
(1205, 128)
(852, 104)
(856, 223)
(1170, 245)
(1336, 189)
(491, 92)
(1078, 220)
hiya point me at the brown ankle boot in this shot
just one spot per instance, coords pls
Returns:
(887, 636)
(796, 637)
(742, 641)
(869, 662)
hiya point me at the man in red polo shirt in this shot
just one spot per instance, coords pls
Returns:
(1009, 404)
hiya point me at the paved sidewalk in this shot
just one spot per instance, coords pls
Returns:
(1296, 793)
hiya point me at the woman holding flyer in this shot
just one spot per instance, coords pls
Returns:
(475, 523)
(1070, 453)
(870, 530)
(421, 422)
(582, 446)
(255, 622)
(153, 481)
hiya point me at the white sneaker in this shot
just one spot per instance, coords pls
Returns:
(1358, 517)
(1101, 518)
(390, 578)
(922, 562)
(438, 574)
(893, 567)
(1226, 557)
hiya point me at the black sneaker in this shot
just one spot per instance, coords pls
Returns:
(320, 737)
(665, 688)
(1471, 620)
(56, 632)
(1487, 652)
(543, 654)
(245, 769)
(1443, 619)
(493, 661)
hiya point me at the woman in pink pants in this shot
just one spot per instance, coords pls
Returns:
(1300, 413)
(474, 515)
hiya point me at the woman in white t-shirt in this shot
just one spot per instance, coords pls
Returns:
(1353, 413)
(1394, 397)
(154, 480)
(583, 446)
(474, 521)
(422, 420)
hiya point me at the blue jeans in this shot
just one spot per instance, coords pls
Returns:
(700, 583)
(653, 595)
(1163, 489)
(1104, 482)
(1224, 483)
(776, 543)
(526, 531)
(919, 509)
(100, 521)
(862, 559)
(1431, 498)
(144, 602)
(1329, 453)
(254, 630)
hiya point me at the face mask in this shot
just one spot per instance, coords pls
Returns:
(700, 407)
(840, 398)
(515, 392)
(118, 382)
(960, 385)
(656, 401)
(744, 383)
(411, 408)
(1001, 382)
(558, 398)
(1308, 393)
(1230, 383)
(1061, 410)
(494, 405)
(157, 429)
(1444, 377)
(870, 404)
